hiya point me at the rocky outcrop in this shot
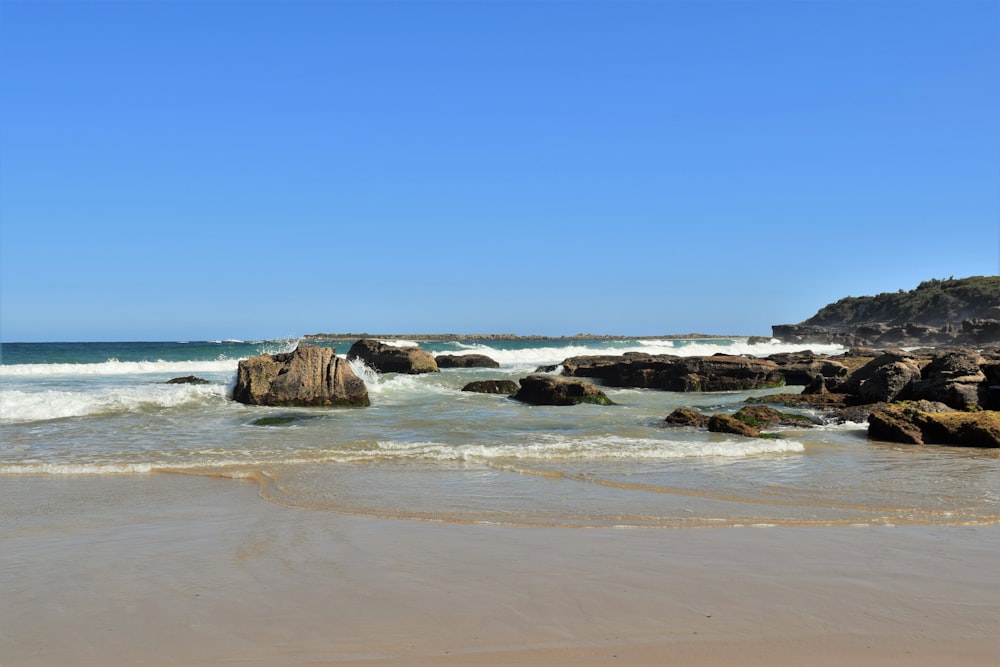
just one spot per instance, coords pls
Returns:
(492, 387)
(963, 311)
(672, 373)
(955, 378)
(929, 423)
(888, 377)
(802, 368)
(553, 390)
(308, 376)
(465, 361)
(393, 358)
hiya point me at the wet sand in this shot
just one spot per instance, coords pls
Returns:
(179, 570)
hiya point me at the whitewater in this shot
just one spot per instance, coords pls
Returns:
(426, 450)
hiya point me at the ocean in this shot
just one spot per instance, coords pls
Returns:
(425, 450)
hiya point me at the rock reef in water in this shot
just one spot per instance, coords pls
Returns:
(552, 390)
(492, 387)
(465, 361)
(308, 376)
(672, 373)
(393, 358)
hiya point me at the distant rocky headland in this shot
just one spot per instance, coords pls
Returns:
(956, 311)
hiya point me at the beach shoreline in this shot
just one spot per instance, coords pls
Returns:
(168, 569)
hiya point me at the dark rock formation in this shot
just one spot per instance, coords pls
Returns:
(716, 373)
(391, 358)
(887, 377)
(187, 379)
(553, 390)
(955, 378)
(465, 361)
(802, 368)
(687, 417)
(492, 387)
(729, 424)
(928, 423)
(310, 375)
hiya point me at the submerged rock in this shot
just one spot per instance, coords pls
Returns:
(553, 390)
(187, 379)
(308, 376)
(393, 358)
(492, 387)
(465, 361)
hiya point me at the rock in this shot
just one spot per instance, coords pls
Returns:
(914, 424)
(954, 378)
(760, 416)
(309, 376)
(672, 373)
(885, 378)
(802, 368)
(492, 387)
(553, 390)
(687, 417)
(187, 379)
(728, 424)
(465, 361)
(392, 358)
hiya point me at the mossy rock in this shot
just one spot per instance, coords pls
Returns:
(761, 416)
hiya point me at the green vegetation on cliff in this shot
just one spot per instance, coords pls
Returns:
(933, 302)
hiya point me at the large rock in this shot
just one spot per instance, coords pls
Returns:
(915, 424)
(553, 390)
(803, 368)
(955, 378)
(309, 376)
(465, 361)
(719, 372)
(886, 378)
(393, 358)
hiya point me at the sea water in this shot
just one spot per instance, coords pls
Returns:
(425, 450)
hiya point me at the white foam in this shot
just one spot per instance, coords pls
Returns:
(554, 447)
(531, 357)
(28, 406)
(115, 367)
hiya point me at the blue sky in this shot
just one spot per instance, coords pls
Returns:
(225, 169)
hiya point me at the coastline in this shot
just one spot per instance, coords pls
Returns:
(167, 569)
(453, 337)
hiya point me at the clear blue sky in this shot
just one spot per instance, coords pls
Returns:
(225, 169)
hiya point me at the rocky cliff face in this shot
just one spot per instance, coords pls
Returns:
(963, 311)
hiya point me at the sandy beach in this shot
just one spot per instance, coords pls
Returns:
(168, 569)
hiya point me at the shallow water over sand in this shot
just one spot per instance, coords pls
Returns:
(426, 450)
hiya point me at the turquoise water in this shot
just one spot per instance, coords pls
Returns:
(426, 450)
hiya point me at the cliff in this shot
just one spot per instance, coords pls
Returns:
(956, 311)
